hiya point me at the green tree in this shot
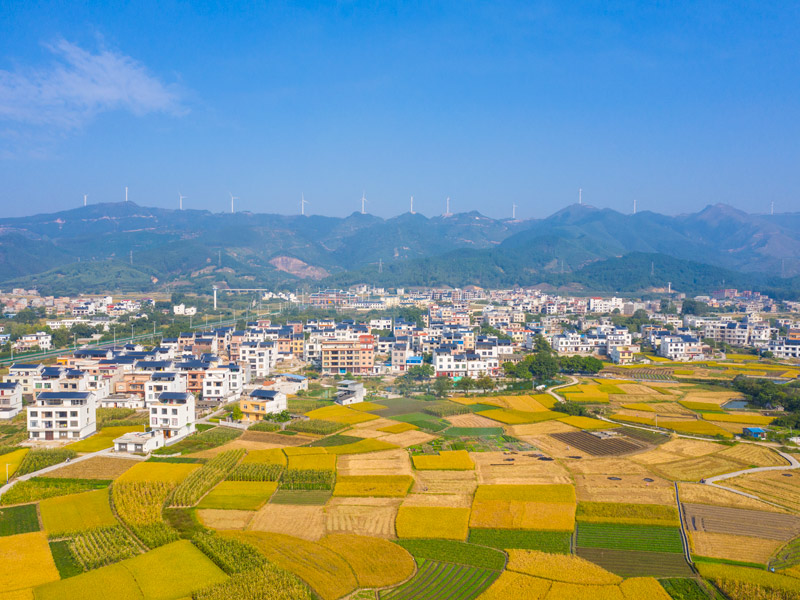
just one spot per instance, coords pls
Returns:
(544, 366)
(236, 413)
(466, 384)
(442, 385)
(485, 382)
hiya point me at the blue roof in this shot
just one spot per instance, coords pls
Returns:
(63, 395)
(755, 430)
(173, 396)
(8, 385)
(267, 394)
(163, 375)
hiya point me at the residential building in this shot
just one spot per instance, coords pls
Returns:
(62, 416)
(25, 375)
(356, 356)
(10, 400)
(263, 402)
(349, 392)
(172, 414)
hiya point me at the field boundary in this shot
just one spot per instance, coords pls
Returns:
(685, 538)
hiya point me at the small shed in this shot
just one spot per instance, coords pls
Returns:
(755, 432)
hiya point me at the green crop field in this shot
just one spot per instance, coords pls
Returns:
(66, 563)
(18, 519)
(689, 589)
(443, 580)
(423, 421)
(473, 431)
(452, 551)
(302, 497)
(553, 542)
(39, 488)
(629, 563)
(241, 495)
(616, 536)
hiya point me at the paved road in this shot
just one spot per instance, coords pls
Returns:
(552, 390)
(41, 472)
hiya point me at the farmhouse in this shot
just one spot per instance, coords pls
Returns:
(755, 432)
(62, 415)
(173, 415)
(10, 400)
(349, 392)
(139, 442)
(263, 402)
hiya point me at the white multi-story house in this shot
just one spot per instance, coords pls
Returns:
(25, 375)
(260, 357)
(463, 364)
(681, 347)
(785, 347)
(163, 381)
(217, 385)
(10, 399)
(62, 416)
(172, 414)
(40, 339)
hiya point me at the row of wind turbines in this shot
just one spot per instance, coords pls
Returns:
(447, 213)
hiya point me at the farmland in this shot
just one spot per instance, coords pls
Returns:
(436, 579)
(454, 460)
(739, 521)
(373, 485)
(18, 519)
(629, 537)
(432, 522)
(102, 439)
(96, 467)
(102, 546)
(553, 542)
(239, 495)
(76, 512)
(39, 488)
(29, 556)
(613, 446)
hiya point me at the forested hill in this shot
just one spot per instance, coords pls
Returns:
(126, 246)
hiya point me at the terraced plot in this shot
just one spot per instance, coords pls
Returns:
(615, 536)
(627, 563)
(740, 521)
(596, 446)
(440, 580)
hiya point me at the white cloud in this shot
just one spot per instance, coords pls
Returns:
(80, 84)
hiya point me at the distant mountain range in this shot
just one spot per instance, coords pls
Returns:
(123, 246)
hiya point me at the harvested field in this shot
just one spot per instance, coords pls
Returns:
(341, 414)
(740, 521)
(96, 467)
(324, 570)
(493, 468)
(432, 522)
(398, 428)
(682, 448)
(627, 563)
(409, 438)
(387, 462)
(627, 513)
(447, 500)
(586, 442)
(306, 522)
(362, 516)
(708, 397)
(376, 563)
(266, 457)
(752, 454)
(587, 423)
(445, 482)
(539, 429)
(611, 465)
(698, 493)
(518, 417)
(695, 469)
(225, 519)
(470, 420)
(771, 486)
(628, 488)
(733, 547)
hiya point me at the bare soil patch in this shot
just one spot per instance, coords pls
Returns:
(306, 522)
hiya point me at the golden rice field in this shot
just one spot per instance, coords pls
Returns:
(635, 588)
(694, 469)
(398, 428)
(313, 462)
(514, 514)
(752, 454)
(239, 495)
(13, 460)
(451, 500)
(733, 547)
(727, 576)
(642, 406)
(102, 439)
(453, 460)
(26, 561)
(574, 591)
(76, 512)
(771, 486)
(154, 471)
(432, 522)
(587, 423)
(522, 403)
(445, 482)
(273, 456)
(516, 585)
(361, 447)
(749, 419)
(376, 563)
(567, 568)
(340, 414)
(324, 570)
(385, 486)
(527, 493)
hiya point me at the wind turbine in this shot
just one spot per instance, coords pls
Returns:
(84, 199)
(232, 199)
(412, 205)
(363, 203)
(303, 203)
(447, 209)
(180, 200)
(514, 212)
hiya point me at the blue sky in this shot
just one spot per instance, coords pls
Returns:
(678, 105)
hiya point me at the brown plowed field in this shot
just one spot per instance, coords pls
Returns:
(599, 447)
(629, 563)
(740, 521)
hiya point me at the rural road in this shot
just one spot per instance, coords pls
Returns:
(41, 472)
(552, 390)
